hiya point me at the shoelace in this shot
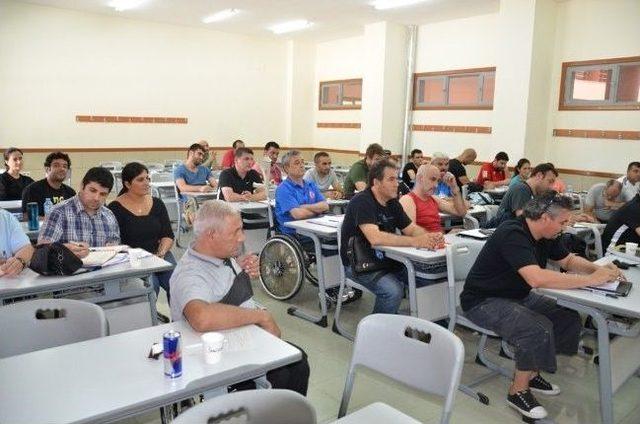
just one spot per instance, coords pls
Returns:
(522, 398)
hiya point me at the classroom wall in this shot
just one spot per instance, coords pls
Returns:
(56, 63)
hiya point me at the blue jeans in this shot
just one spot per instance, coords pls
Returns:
(161, 279)
(387, 286)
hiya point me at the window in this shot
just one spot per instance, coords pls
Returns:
(343, 94)
(461, 89)
(607, 84)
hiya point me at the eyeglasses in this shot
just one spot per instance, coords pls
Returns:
(556, 198)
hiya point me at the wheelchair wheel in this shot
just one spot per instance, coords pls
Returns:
(281, 268)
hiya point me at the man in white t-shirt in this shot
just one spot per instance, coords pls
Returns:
(631, 181)
(324, 177)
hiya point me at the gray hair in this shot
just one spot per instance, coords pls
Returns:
(612, 182)
(550, 202)
(439, 155)
(286, 158)
(211, 215)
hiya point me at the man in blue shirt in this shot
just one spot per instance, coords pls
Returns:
(192, 176)
(295, 197)
(15, 248)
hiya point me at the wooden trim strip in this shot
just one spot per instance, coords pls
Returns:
(603, 134)
(455, 72)
(452, 128)
(130, 119)
(350, 125)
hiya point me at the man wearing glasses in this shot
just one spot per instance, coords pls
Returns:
(497, 295)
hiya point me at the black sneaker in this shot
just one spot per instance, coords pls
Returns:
(525, 403)
(540, 385)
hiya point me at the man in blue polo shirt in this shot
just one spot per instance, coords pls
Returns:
(295, 197)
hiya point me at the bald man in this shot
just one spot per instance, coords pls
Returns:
(422, 205)
(457, 166)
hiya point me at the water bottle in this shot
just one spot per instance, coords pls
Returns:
(47, 206)
(32, 214)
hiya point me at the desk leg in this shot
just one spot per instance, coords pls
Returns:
(152, 300)
(322, 319)
(411, 281)
(604, 355)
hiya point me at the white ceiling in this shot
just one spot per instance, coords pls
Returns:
(332, 18)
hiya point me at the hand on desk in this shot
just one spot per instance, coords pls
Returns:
(250, 264)
(269, 324)
(80, 249)
(605, 274)
(206, 189)
(429, 241)
(613, 268)
(11, 267)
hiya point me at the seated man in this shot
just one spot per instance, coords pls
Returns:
(83, 221)
(540, 181)
(324, 177)
(422, 206)
(211, 289)
(492, 174)
(603, 199)
(411, 168)
(358, 173)
(373, 216)
(457, 166)
(237, 183)
(56, 168)
(209, 160)
(15, 249)
(229, 155)
(497, 295)
(624, 225)
(295, 197)
(192, 176)
(441, 161)
(631, 181)
(271, 151)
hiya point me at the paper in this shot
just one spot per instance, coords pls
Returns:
(239, 339)
(95, 258)
(332, 221)
(116, 248)
(610, 286)
(476, 233)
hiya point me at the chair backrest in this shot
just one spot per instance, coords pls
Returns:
(411, 350)
(460, 258)
(470, 222)
(252, 406)
(112, 165)
(161, 177)
(44, 323)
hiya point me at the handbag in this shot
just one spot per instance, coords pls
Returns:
(54, 259)
(363, 258)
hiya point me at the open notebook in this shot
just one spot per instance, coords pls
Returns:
(99, 256)
(478, 233)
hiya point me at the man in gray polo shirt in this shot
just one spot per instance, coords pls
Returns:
(212, 290)
(603, 199)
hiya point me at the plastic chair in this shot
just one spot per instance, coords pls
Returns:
(111, 165)
(460, 259)
(252, 406)
(43, 323)
(413, 351)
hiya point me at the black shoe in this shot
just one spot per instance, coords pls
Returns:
(525, 403)
(539, 385)
(163, 318)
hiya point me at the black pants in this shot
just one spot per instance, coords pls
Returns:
(291, 377)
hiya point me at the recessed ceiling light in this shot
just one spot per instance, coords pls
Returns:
(290, 26)
(391, 4)
(122, 5)
(220, 16)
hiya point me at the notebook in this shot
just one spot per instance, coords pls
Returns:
(618, 288)
(98, 258)
(478, 233)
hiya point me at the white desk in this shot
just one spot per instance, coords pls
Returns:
(315, 232)
(200, 196)
(30, 283)
(477, 211)
(250, 207)
(11, 205)
(111, 378)
(597, 306)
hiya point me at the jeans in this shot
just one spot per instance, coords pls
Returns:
(161, 279)
(387, 286)
(535, 326)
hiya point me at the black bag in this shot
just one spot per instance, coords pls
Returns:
(54, 259)
(362, 257)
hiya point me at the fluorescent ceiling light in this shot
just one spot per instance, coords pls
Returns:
(122, 5)
(391, 4)
(290, 26)
(220, 16)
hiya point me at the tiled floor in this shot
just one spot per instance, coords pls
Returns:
(329, 356)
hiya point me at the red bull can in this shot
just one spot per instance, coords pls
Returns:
(172, 353)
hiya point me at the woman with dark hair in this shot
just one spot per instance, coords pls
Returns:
(12, 182)
(144, 221)
(521, 172)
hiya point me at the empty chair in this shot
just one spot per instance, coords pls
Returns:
(155, 166)
(413, 351)
(252, 406)
(161, 177)
(44, 323)
(460, 258)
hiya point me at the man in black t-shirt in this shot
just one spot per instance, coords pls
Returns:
(373, 216)
(457, 166)
(624, 225)
(411, 168)
(56, 167)
(497, 295)
(236, 183)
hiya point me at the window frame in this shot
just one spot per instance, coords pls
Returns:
(614, 64)
(447, 75)
(340, 84)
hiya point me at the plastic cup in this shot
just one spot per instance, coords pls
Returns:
(631, 248)
(212, 346)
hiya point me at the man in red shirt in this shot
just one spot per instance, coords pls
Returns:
(229, 155)
(492, 174)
